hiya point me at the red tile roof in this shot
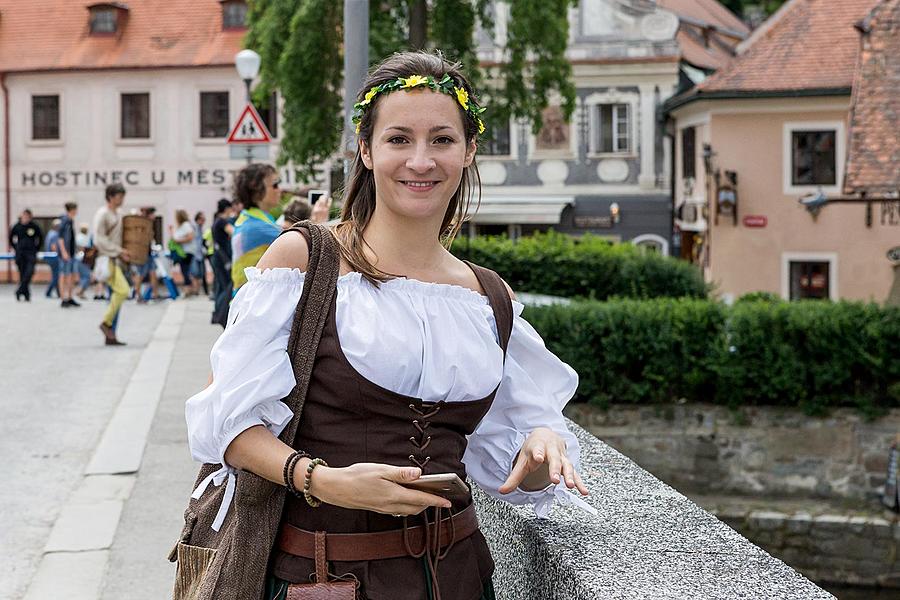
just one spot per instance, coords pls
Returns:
(39, 35)
(873, 165)
(723, 31)
(811, 45)
(712, 12)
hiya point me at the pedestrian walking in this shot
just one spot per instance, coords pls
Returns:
(25, 239)
(112, 260)
(68, 266)
(146, 273)
(198, 265)
(85, 256)
(221, 230)
(51, 258)
(181, 249)
(256, 187)
(424, 365)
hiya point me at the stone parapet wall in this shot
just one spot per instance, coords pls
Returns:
(647, 541)
(760, 450)
(829, 548)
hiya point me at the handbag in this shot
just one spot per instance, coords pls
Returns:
(102, 269)
(231, 563)
(342, 588)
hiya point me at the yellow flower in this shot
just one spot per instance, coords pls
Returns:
(357, 129)
(413, 81)
(480, 126)
(463, 97)
(369, 95)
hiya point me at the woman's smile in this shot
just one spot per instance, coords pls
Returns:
(419, 186)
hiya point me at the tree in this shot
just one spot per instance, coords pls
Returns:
(300, 42)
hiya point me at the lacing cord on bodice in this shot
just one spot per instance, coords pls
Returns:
(431, 549)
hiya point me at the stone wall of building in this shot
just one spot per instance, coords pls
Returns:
(758, 451)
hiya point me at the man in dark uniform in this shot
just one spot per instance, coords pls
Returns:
(25, 237)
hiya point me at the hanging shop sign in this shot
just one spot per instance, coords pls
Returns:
(755, 221)
(594, 222)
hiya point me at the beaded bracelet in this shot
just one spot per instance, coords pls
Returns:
(289, 465)
(310, 499)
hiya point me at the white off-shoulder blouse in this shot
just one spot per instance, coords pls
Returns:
(426, 340)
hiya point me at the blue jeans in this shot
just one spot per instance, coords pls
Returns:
(53, 263)
(84, 275)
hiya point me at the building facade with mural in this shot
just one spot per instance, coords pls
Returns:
(607, 170)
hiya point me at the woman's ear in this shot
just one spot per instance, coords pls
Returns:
(366, 153)
(471, 147)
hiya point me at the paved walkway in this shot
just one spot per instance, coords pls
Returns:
(98, 470)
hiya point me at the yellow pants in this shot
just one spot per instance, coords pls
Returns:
(120, 291)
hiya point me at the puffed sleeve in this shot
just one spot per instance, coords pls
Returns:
(535, 387)
(252, 372)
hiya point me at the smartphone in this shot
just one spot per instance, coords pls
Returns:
(445, 485)
(314, 195)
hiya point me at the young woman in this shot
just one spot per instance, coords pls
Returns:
(256, 187)
(181, 246)
(424, 366)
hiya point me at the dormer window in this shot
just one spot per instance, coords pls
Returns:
(107, 18)
(234, 14)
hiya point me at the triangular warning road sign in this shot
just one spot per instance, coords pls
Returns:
(249, 129)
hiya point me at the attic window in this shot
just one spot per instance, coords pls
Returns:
(234, 14)
(106, 18)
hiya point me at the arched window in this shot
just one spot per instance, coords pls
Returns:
(653, 243)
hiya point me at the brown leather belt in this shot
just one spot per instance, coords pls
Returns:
(378, 545)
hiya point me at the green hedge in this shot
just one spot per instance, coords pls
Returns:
(812, 355)
(591, 267)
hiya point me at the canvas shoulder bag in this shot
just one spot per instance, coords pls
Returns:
(231, 563)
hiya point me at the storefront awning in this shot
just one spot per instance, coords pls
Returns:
(537, 210)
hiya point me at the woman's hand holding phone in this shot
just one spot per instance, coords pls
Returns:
(371, 486)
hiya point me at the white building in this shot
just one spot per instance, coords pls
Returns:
(98, 93)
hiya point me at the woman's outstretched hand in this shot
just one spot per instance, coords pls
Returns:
(370, 486)
(542, 460)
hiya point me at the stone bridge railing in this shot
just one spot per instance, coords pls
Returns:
(647, 542)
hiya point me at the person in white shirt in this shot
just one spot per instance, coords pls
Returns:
(425, 365)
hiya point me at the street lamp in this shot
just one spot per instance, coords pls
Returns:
(247, 64)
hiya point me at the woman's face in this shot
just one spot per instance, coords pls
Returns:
(417, 152)
(273, 194)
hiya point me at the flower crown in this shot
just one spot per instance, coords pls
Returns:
(446, 85)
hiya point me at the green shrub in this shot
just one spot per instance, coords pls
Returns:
(812, 355)
(587, 267)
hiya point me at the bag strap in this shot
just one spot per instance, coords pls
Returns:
(319, 287)
(501, 304)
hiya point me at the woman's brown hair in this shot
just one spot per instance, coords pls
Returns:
(250, 184)
(359, 193)
(181, 216)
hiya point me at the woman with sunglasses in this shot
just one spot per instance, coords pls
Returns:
(256, 186)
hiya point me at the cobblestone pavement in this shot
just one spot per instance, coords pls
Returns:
(66, 402)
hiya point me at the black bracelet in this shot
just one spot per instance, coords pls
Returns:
(288, 475)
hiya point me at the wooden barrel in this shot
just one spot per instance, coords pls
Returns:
(137, 235)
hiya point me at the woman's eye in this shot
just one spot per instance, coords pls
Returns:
(444, 140)
(397, 140)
